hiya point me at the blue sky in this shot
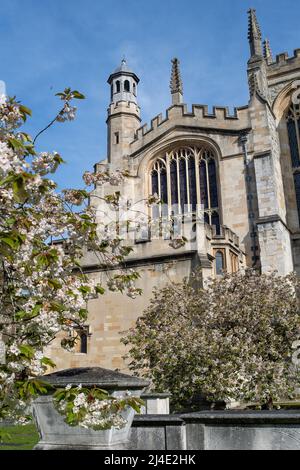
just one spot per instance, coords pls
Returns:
(47, 45)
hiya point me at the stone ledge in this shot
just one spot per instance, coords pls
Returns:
(157, 420)
(243, 417)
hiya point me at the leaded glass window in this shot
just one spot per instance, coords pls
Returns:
(293, 127)
(185, 178)
(219, 263)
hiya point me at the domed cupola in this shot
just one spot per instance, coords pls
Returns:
(123, 84)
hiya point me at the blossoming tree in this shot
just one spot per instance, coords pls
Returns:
(232, 341)
(43, 289)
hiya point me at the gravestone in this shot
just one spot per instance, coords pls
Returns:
(57, 435)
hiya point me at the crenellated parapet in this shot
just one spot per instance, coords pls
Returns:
(199, 117)
(284, 57)
(284, 68)
(226, 235)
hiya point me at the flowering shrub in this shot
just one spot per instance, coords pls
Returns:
(93, 408)
(233, 340)
(43, 288)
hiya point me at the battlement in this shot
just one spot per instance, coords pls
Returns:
(284, 59)
(199, 116)
(226, 235)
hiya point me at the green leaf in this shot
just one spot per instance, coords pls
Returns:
(25, 110)
(85, 289)
(19, 191)
(77, 95)
(48, 362)
(11, 221)
(135, 404)
(55, 284)
(83, 313)
(36, 310)
(99, 290)
(9, 241)
(27, 351)
(57, 307)
(21, 314)
(58, 159)
(39, 386)
(15, 144)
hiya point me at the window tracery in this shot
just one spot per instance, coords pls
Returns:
(293, 127)
(184, 178)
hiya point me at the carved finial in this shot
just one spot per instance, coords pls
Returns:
(176, 82)
(268, 52)
(254, 35)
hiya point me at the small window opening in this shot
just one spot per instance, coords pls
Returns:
(219, 263)
(117, 138)
(127, 86)
(118, 86)
(81, 345)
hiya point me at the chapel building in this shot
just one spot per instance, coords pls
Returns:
(242, 170)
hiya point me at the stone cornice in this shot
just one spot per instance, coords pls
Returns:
(190, 129)
(137, 262)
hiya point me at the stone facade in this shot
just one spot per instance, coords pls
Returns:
(256, 223)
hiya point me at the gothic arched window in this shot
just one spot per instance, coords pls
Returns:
(185, 178)
(293, 126)
(118, 86)
(83, 343)
(220, 265)
(127, 86)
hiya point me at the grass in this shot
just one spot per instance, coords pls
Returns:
(19, 437)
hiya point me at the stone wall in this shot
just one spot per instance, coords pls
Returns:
(114, 313)
(217, 430)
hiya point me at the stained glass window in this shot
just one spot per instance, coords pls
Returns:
(183, 183)
(174, 182)
(203, 184)
(293, 127)
(192, 184)
(185, 178)
(213, 183)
